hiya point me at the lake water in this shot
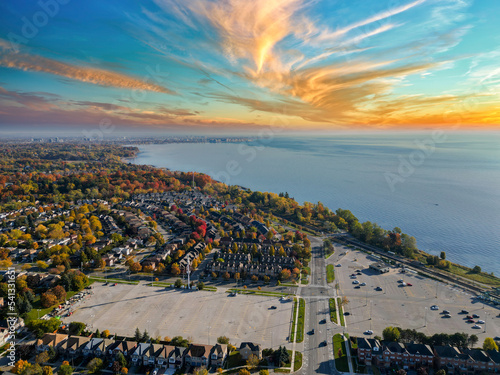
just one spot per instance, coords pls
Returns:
(444, 189)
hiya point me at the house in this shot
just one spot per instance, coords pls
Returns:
(379, 267)
(449, 358)
(197, 355)
(138, 352)
(175, 356)
(218, 355)
(50, 340)
(248, 348)
(419, 355)
(368, 350)
(393, 354)
(123, 347)
(90, 347)
(74, 345)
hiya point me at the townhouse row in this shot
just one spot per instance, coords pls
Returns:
(158, 355)
(413, 356)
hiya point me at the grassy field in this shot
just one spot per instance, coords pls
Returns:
(295, 305)
(297, 363)
(300, 322)
(118, 281)
(341, 311)
(256, 292)
(479, 277)
(339, 352)
(333, 310)
(330, 273)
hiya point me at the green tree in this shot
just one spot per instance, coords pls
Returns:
(200, 371)
(391, 333)
(264, 372)
(47, 370)
(65, 370)
(43, 357)
(120, 358)
(94, 365)
(490, 344)
(476, 269)
(223, 340)
(244, 371)
(137, 335)
(76, 328)
(442, 255)
(253, 361)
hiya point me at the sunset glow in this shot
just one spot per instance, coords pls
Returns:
(236, 64)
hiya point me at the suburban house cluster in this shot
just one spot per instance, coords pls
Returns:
(148, 354)
(413, 356)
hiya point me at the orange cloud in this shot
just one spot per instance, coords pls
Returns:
(79, 73)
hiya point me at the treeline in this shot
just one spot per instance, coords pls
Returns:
(407, 336)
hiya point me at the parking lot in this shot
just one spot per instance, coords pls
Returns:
(201, 316)
(407, 306)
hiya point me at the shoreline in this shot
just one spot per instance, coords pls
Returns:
(422, 252)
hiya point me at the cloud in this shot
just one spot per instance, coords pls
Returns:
(79, 73)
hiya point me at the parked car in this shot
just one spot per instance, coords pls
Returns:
(476, 326)
(434, 307)
(322, 321)
(469, 317)
(446, 312)
(480, 321)
(273, 307)
(312, 331)
(362, 284)
(355, 282)
(475, 316)
(323, 343)
(470, 320)
(347, 313)
(338, 265)
(408, 284)
(464, 312)
(379, 289)
(357, 287)
(368, 332)
(446, 316)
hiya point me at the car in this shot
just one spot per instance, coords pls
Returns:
(434, 307)
(469, 317)
(115, 284)
(273, 308)
(379, 289)
(368, 332)
(362, 284)
(476, 326)
(338, 265)
(354, 277)
(105, 284)
(312, 331)
(475, 316)
(464, 312)
(323, 343)
(347, 313)
(408, 284)
(470, 320)
(446, 312)
(322, 321)
(446, 316)
(480, 321)
(403, 284)
(357, 287)
(358, 273)
(355, 282)
(400, 281)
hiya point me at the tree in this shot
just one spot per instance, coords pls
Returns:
(105, 333)
(124, 370)
(145, 336)
(137, 335)
(47, 370)
(264, 372)
(116, 367)
(473, 339)
(490, 344)
(253, 361)
(120, 358)
(440, 372)
(76, 328)
(244, 371)
(59, 292)
(201, 285)
(94, 365)
(178, 283)
(41, 264)
(175, 270)
(48, 299)
(200, 371)
(285, 275)
(223, 340)
(135, 267)
(391, 333)
(20, 366)
(43, 357)
(442, 255)
(476, 269)
(65, 370)
(226, 276)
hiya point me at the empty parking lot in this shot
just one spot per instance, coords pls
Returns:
(200, 315)
(407, 306)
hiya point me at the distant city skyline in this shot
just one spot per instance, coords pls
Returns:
(233, 66)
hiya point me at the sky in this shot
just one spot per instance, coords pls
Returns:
(235, 65)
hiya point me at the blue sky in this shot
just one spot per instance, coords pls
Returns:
(237, 65)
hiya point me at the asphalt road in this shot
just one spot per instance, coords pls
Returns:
(318, 357)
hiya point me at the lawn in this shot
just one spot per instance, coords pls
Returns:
(339, 352)
(330, 273)
(234, 360)
(479, 277)
(118, 281)
(300, 322)
(297, 363)
(341, 311)
(333, 310)
(292, 335)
